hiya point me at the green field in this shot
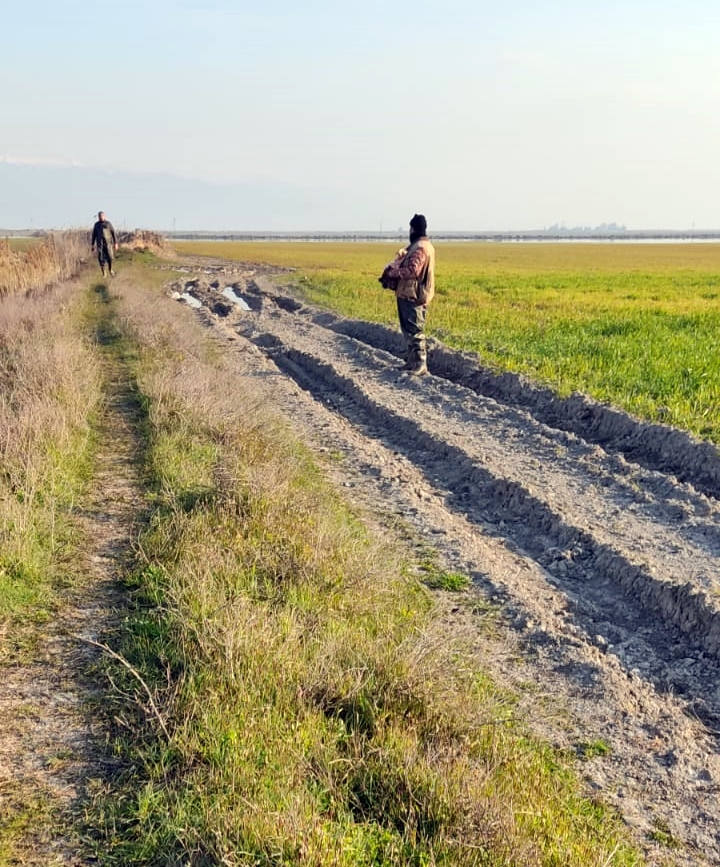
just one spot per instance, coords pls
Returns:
(21, 245)
(635, 325)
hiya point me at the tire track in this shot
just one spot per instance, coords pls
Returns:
(605, 567)
(653, 446)
(647, 583)
(676, 620)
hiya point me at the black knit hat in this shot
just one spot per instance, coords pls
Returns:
(419, 224)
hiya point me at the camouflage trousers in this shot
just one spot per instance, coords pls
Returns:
(412, 324)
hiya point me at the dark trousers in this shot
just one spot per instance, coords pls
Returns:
(412, 324)
(105, 257)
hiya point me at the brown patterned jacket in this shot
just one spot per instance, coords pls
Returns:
(412, 274)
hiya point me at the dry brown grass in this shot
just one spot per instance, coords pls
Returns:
(49, 390)
(32, 270)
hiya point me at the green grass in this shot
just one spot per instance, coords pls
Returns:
(21, 245)
(590, 749)
(23, 818)
(633, 325)
(308, 708)
(437, 578)
(47, 459)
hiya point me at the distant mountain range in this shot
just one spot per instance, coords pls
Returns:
(58, 197)
(40, 197)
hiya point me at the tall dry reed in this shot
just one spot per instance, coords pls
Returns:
(56, 258)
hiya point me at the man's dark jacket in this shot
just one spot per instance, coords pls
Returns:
(103, 236)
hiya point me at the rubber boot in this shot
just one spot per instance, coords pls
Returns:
(407, 355)
(417, 363)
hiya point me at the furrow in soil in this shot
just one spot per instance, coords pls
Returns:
(596, 535)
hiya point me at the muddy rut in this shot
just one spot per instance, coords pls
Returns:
(595, 537)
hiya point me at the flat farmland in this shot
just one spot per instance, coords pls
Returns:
(521, 666)
(634, 325)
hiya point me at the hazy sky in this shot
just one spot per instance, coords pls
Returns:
(516, 114)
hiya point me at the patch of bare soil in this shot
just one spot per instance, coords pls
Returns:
(593, 534)
(52, 750)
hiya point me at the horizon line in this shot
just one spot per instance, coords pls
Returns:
(553, 232)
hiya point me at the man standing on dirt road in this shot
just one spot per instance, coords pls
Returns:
(412, 276)
(104, 240)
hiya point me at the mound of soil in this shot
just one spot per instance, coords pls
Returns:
(144, 241)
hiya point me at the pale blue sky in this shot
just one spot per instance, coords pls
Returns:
(482, 115)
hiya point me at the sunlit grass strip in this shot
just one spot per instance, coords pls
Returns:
(316, 712)
(50, 393)
(635, 325)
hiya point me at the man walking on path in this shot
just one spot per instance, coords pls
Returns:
(104, 241)
(412, 276)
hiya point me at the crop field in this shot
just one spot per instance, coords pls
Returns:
(635, 325)
(21, 245)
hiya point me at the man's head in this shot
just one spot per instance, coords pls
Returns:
(101, 215)
(418, 227)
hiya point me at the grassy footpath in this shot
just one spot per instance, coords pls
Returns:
(636, 325)
(286, 697)
(50, 398)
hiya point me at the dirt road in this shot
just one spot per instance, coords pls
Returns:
(596, 538)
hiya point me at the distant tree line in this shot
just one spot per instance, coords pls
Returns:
(602, 229)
